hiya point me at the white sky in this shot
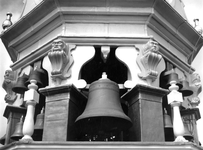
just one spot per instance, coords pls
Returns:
(193, 8)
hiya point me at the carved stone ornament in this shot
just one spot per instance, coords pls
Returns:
(61, 60)
(8, 83)
(147, 60)
(105, 52)
(196, 87)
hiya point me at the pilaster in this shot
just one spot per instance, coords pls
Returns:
(145, 111)
(63, 105)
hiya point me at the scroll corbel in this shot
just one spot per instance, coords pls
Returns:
(61, 60)
(8, 84)
(196, 87)
(148, 60)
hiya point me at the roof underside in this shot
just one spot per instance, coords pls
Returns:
(155, 11)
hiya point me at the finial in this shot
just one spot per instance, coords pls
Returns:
(197, 26)
(7, 23)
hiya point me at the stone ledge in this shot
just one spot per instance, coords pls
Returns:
(102, 145)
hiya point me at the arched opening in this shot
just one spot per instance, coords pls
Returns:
(115, 69)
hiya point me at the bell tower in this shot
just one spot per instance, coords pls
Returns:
(102, 75)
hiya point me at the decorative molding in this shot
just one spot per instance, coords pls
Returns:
(105, 52)
(61, 60)
(72, 145)
(147, 60)
(8, 84)
(163, 24)
(44, 49)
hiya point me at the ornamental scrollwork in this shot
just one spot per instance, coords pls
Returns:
(61, 60)
(8, 84)
(148, 60)
(196, 87)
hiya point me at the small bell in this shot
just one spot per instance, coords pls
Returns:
(167, 120)
(173, 77)
(20, 86)
(39, 124)
(18, 134)
(187, 135)
(186, 89)
(168, 127)
(39, 75)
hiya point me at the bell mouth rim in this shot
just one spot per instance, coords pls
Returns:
(107, 123)
(113, 113)
(19, 91)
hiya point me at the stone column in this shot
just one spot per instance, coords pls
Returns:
(63, 105)
(146, 113)
(32, 98)
(175, 99)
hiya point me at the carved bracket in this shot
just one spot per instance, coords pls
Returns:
(196, 87)
(61, 60)
(147, 60)
(8, 84)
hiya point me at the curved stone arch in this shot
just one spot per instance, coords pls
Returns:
(104, 60)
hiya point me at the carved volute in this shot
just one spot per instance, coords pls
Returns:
(196, 87)
(8, 83)
(147, 60)
(61, 60)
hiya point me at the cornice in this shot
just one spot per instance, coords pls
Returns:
(79, 41)
(190, 41)
(147, 90)
(102, 145)
(42, 51)
(175, 60)
(51, 14)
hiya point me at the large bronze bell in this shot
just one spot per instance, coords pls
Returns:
(103, 112)
(18, 134)
(20, 86)
(186, 89)
(39, 75)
